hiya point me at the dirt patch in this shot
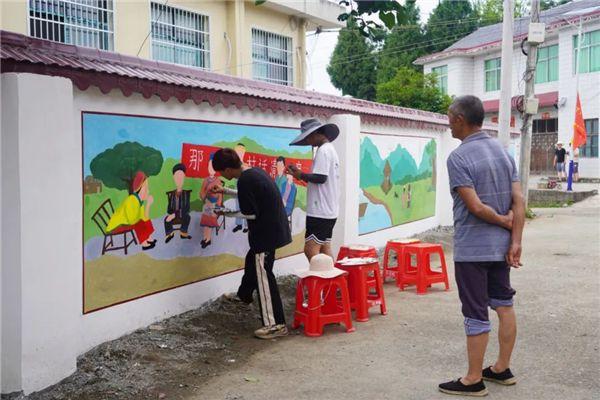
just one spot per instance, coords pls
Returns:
(168, 359)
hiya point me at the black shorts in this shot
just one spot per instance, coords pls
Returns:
(320, 230)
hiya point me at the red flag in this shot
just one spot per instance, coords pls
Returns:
(579, 133)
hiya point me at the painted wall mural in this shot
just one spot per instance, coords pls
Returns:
(148, 212)
(397, 181)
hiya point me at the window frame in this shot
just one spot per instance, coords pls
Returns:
(496, 70)
(442, 78)
(589, 68)
(289, 66)
(548, 60)
(203, 52)
(79, 34)
(588, 150)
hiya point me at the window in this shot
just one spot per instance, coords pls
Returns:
(87, 23)
(492, 74)
(442, 78)
(540, 126)
(272, 57)
(590, 148)
(179, 36)
(590, 52)
(547, 64)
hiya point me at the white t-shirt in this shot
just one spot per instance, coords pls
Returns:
(324, 199)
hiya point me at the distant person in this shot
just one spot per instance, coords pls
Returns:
(560, 159)
(576, 164)
(134, 212)
(240, 223)
(178, 206)
(261, 205)
(489, 214)
(323, 198)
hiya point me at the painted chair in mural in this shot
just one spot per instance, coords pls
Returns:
(101, 218)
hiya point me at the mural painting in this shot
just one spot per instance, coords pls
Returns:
(397, 181)
(148, 210)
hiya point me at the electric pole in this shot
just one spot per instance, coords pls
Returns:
(506, 73)
(525, 158)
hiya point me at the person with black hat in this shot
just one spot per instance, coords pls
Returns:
(178, 206)
(322, 204)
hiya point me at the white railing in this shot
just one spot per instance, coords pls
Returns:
(180, 36)
(88, 23)
(272, 57)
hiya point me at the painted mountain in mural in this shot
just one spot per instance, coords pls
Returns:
(371, 164)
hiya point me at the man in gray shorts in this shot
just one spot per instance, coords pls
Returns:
(489, 214)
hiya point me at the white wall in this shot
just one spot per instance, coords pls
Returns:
(43, 327)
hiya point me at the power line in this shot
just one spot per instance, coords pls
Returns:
(152, 27)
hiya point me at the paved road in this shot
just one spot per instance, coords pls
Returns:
(405, 354)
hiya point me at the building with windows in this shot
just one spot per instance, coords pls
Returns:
(233, 37)
(472, 66)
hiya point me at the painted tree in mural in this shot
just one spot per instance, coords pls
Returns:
(428, 163)
(117, 166)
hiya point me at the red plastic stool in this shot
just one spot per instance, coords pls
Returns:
(356, 251)
(423, 277)
(360, 283)
(397, 246)
(324, 306)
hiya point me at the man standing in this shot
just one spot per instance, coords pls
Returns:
(489, 214)
(178, 206)
(260, 204)
(323, 199)
(560, 160)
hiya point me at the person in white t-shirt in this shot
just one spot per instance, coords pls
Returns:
(323, 199)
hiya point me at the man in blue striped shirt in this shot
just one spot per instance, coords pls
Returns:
(489, 215)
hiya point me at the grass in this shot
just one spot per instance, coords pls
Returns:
(110, 280)
(422, 201)
(550, 204)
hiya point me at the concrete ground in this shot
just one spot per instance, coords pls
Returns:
(405, 354)
(577, 186)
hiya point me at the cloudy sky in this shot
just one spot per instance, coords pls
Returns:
(321, 47)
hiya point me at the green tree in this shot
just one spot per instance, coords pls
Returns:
(547, 4)
(410, 88)
(491, 11)
(352, 65)
(117, 167)
(449, 22)
(396, 52)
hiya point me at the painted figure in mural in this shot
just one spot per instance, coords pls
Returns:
(134, 212)
(323, 198)
(178, 206)
(240, 223)
(408, 195)
(260, 203)
(404, 197)
(280, 178)
(560, 160)
(211, 198)
(489, 215)
(288, 195)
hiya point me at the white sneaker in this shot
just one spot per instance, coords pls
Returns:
(271, 332)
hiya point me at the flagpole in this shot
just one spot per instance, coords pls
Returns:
(570, 176)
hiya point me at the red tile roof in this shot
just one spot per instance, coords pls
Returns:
(106, 70)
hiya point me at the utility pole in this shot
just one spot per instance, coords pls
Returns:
(525, 158)
(506, 73)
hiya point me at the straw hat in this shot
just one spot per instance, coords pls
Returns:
(322, 266)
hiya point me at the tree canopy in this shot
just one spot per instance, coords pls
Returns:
(449, 22)
(116, 167)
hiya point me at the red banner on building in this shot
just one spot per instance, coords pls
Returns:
(195, 157)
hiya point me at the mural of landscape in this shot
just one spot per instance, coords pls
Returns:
(148, 212)
(397, 181)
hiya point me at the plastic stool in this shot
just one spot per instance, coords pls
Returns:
(360, 283)
(397, 246)
(423, 277)
(357, 251)
(323, 306)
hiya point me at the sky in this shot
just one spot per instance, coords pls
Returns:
(321, 47)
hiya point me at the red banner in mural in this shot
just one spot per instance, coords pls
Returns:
(195, 157)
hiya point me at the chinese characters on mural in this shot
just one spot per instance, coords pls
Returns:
(149, 220)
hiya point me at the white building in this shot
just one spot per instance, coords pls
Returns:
(472, 66)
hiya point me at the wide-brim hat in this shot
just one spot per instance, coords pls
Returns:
(322, 266)
(308, 126)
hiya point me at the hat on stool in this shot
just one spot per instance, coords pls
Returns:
(321, 266)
